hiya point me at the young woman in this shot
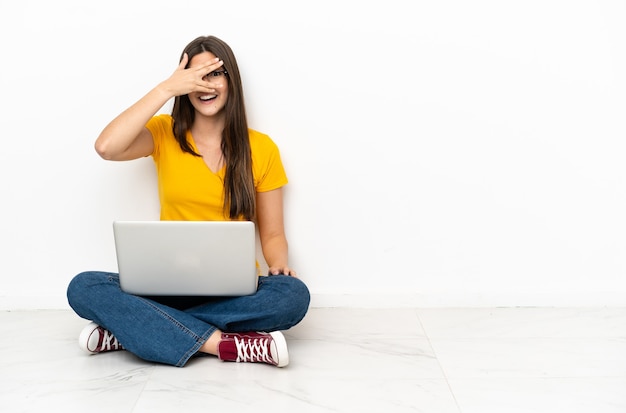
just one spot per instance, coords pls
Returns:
(210, 166)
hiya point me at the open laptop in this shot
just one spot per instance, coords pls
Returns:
(199, 258)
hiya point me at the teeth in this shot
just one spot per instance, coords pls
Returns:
(207, 97)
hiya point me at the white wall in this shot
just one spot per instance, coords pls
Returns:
(439, 152)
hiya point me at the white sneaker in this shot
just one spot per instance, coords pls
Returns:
(95, 339)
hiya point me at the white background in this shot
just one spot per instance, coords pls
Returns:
(440, 153)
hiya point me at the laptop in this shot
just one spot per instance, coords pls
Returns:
(181, 258)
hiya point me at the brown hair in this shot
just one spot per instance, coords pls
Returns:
(239, 192)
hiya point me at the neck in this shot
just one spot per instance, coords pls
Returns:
(208, 130)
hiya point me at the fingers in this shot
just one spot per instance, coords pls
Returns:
(186, 80)
(183, 62)
(206, 69)
(200, 73)
(211, 66)
(284, 271)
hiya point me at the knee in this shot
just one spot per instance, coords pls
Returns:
(296, 297)
(300, 290)
(84, 281)
(304, 294)
(84, 285)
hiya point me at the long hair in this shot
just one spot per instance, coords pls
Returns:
(239, 193)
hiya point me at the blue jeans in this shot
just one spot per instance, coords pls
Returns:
(171, 330)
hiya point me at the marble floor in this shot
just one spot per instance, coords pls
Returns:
(342, 360)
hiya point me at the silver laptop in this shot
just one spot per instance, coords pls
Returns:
(200, 258)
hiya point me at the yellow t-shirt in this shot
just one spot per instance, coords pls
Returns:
(189, 190)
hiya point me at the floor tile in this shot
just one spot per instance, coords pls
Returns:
(406, 359)
(524, 322)
(41, 366)
(571, 395)
(362, 343)
(254, 388)
(533, 357)
(342, 360)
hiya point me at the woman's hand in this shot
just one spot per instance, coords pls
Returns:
(184, 81)
(282, 270)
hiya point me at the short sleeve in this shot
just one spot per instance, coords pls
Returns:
(268, 170)
(160, 126)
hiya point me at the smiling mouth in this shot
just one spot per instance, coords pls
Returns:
(207, 98)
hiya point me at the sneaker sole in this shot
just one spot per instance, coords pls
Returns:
(281, 348)
(83, 339)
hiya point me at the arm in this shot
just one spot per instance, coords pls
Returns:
(272, 231)
(126, 136)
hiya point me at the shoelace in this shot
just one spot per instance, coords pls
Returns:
(109, 341)
(253, 350)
